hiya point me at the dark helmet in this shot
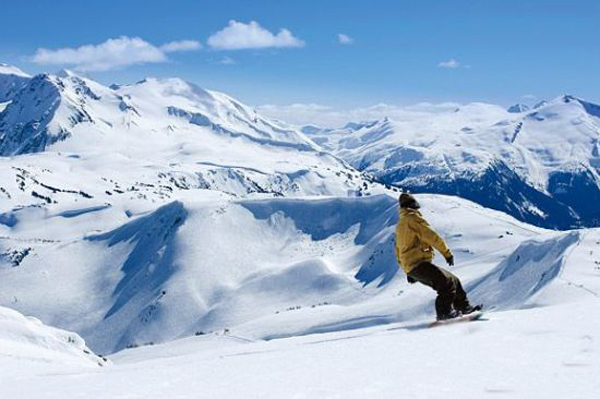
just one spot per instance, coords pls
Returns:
(408, 201)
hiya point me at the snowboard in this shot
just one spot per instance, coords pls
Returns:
(468, 317)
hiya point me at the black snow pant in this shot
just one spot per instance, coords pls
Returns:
(450, 293)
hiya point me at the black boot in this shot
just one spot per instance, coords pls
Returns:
(447, 316)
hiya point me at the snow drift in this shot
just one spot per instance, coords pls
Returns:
(523, 274)
(26, 339)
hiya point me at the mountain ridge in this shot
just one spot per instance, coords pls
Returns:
(552, 149)
(12, 79)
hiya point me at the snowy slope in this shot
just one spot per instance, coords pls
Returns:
(541, 166)
(200, 107)
(71, 108)
(111, 191)
(182, 269)
(518, 108)
(541, 344)
(154, 137)
(263, 268)
(516, 354)
(12, 79)
(213, 242)
(25, 341)
(174, 231)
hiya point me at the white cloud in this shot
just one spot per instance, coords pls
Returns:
(344, 39)
(181, 45)
(451, 63)
(111, 54)
(323, 115)
(240, 36)
(528, 96)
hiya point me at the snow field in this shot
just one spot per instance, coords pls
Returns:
(518, 353)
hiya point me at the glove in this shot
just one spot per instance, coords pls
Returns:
(410, 279)
(450, 260)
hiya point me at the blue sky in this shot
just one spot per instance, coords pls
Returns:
(494, 51)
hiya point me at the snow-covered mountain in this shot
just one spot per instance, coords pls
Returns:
(277, 284)
(67, 107)
(541, 166)
(150, 139)
(184, 234)
(258, 268)
(12, 80)
(518, 108)
(88, 170)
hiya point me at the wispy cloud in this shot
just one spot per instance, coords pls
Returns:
(181, 45)
(227, 61)
(451, 63)
(528, 96)
(112, 54)
(323, 115)
(241, 36)
(344, 39)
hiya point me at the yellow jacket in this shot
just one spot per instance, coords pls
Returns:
(415, 240)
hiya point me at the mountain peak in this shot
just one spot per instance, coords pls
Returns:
(172, 86)
(518, 108)
(65, 73)
(590, 108)
(360, 125)
(12, 80)
(162, 81)
(6, 69)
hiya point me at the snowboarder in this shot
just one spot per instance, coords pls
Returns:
(415, 241)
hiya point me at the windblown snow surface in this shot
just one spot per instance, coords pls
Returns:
(209, 252)
(25, 340)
